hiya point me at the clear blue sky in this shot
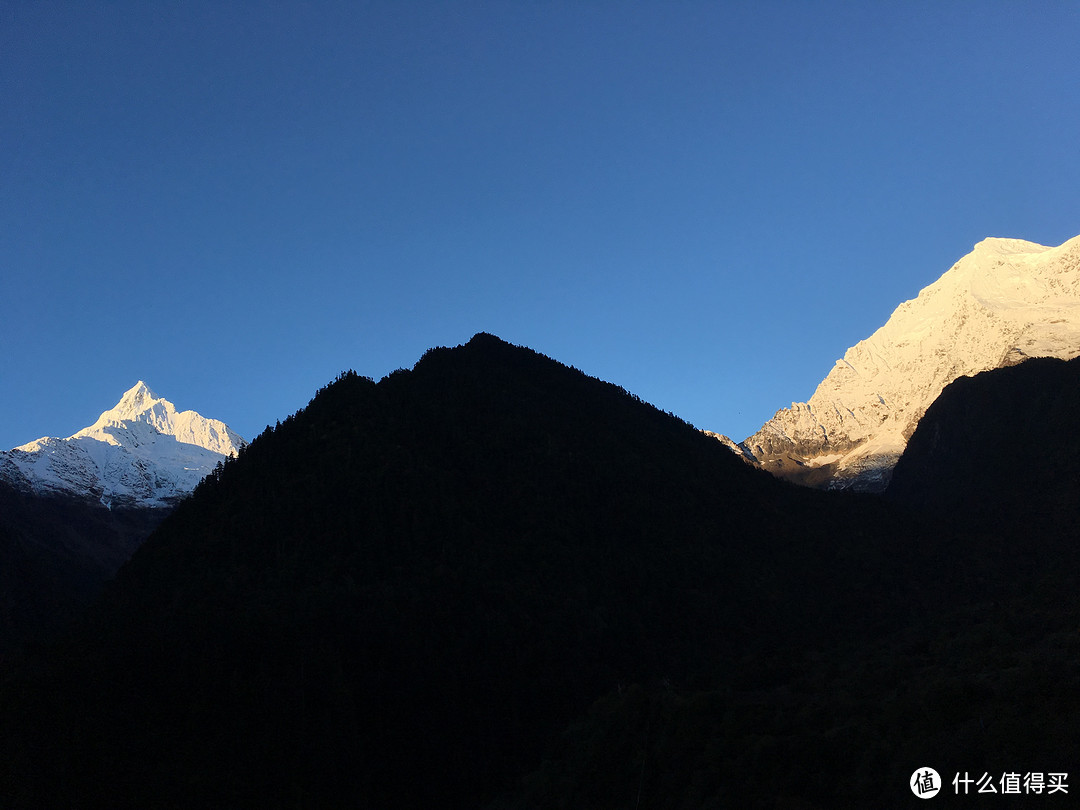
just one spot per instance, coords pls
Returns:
(705, 203)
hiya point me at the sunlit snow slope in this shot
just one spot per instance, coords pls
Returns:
(142, 452)
(1004, 302)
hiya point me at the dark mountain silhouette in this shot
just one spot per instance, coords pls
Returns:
(415, 592)
(986, 685)
(56, 553)
(999, 448)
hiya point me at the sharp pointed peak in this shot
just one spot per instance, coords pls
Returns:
(140, 389)
(137, 399)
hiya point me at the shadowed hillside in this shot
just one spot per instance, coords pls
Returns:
(411, 593)
(55, 555)
(1001, 449)
(988, 683)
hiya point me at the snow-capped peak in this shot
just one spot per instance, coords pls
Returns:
(142, 451)
(1007, 300)
(140, 408)
(135, 400)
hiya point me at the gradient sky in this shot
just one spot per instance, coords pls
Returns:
(705, 203)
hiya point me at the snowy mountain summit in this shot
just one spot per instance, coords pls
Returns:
(1004, 302)
(142, 452)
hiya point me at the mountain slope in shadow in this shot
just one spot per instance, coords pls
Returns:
(984, 684)
(402, 595)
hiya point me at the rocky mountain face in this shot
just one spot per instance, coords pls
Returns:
(1006, 301)
(141, 453)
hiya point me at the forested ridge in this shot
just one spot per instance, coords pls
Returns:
(492, 580)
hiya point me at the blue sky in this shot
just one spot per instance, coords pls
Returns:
(705, 203)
